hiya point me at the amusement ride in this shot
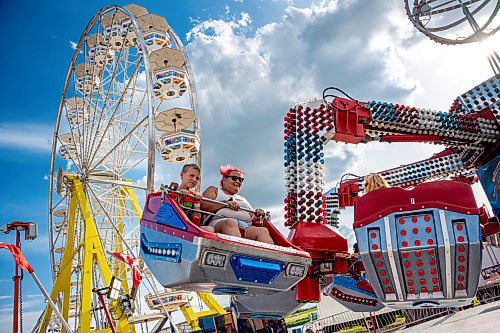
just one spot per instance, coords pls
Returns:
(120, 262)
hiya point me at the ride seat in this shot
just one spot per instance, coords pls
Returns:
(420, 247)
(181, 255)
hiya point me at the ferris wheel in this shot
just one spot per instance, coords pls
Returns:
(128, 103)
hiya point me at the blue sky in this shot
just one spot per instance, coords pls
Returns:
(284, 51)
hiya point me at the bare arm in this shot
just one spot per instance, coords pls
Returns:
(210, 193)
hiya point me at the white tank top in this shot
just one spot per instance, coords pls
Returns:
(229, 213)
(242, 202)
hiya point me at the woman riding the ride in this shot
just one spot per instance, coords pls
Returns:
(230, 220)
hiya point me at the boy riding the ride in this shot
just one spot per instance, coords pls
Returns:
(190, 179)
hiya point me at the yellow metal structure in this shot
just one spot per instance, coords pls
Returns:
(214, 309)
(93, 257)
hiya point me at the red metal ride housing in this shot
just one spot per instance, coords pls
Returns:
(349, 119)
(324, 243)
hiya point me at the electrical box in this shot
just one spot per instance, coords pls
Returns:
(32, 231)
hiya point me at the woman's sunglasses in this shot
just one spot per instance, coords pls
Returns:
(235, 178)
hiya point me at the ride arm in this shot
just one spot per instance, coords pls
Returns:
(448, 163)
(361, 122)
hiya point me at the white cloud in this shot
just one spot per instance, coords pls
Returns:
(74, 45)
(30, 137)
(29, 319)
(247, 81)
(245, 19)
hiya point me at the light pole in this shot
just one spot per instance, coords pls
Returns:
(30, 233)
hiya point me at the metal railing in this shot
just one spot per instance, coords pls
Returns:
(390, 320)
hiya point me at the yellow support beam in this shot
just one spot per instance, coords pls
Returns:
(134, 203)
(192, 318)
(119, 268)
(212, 304)
(93, 256)
(93, 253)
(62, 283)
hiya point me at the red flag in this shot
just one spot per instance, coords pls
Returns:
(18, 256)
(132, 263)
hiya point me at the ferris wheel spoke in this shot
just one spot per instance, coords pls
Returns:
(112, 117)
(137, 114)
(125, 137)
(99, 103)
(106, 215)
(132, 166)
(127, 153)
(118, 183)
